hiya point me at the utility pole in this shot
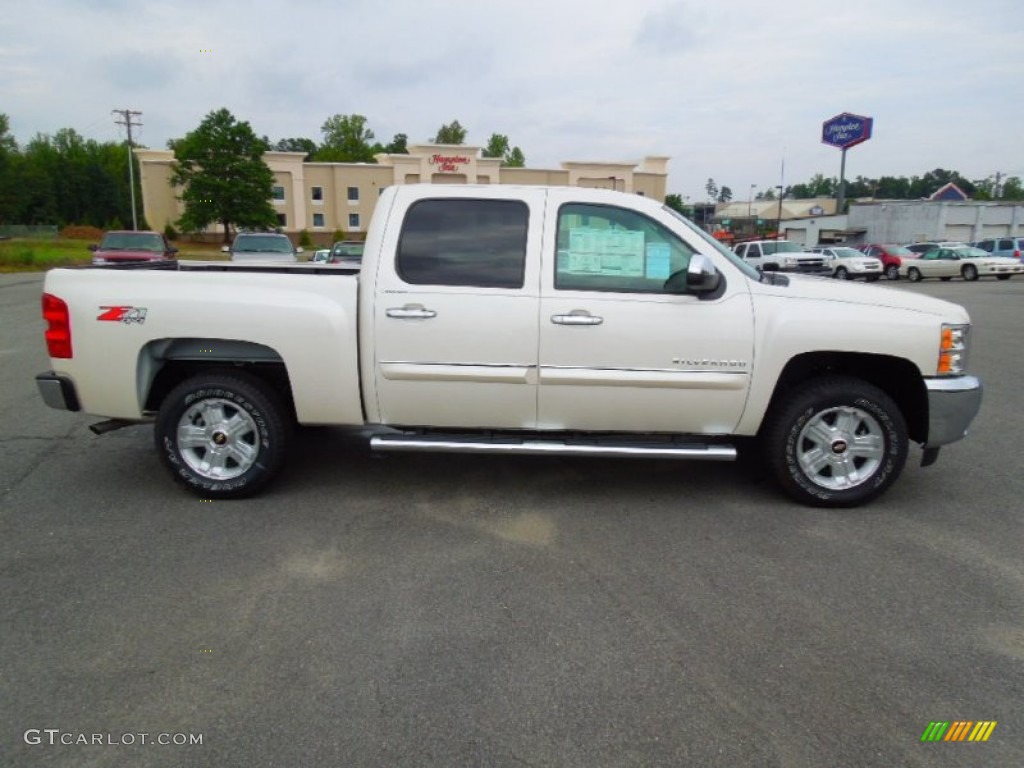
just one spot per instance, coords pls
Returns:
(126, 116)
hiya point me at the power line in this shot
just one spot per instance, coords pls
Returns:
(126, 116)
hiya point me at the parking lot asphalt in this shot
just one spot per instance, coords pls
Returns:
(421, 610)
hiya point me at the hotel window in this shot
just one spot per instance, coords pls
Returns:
(282, 220)
(353, 221)
(318, 219)
(278, 194)
(353, 194)
(317, 194)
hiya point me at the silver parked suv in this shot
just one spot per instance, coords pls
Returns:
(262, 247)
(1011, 247)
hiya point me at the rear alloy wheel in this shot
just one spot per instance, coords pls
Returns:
(842, 274)
(222, 435)
(970, 272)
(914, 275)
(836, 441)
(892, 272)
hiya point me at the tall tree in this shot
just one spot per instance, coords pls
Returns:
(675, 202)
(10, 163)
(452, 133)
(297, 145)
(514, 158)
(1012, 189)
(346, 140)
(224, 178)
(724, 194)
(399, 145)
(712, 189)
(498, 146)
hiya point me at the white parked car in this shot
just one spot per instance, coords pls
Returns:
(960, 261)
(321, 256)
(848, 263)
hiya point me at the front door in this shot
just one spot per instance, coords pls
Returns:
(618, 352)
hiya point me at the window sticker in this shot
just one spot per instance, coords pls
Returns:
(595, 251)
(659, 259)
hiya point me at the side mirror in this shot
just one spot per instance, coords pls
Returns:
(94, 247)
(299, 249)
(702, 277)
(172, 249)
(699, 277)
(225, 249)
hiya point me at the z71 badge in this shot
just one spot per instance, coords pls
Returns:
(126, 315)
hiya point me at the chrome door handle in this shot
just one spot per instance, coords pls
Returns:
(577, 318)
(411, 312)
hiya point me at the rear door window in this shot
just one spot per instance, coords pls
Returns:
(454, 241)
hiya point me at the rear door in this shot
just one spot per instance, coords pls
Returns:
(455, 311)
(620, 352)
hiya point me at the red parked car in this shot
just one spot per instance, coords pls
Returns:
(124, 246)
(891, 257)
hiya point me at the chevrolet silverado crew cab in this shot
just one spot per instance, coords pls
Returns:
(516, 320)
(782, 256)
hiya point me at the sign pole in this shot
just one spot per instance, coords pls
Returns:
(841, 197)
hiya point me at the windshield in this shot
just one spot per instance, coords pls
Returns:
(899, 250)
(745, 268)
(348, 249)
(781, 246)
(847, 253)
(263, 244)
(132, 241)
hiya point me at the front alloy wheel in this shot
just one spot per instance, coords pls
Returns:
(970, 272)
(836, 442)
(914, 275)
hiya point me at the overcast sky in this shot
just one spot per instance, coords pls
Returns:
(726, 88)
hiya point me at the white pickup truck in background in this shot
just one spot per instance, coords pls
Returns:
(518, 320)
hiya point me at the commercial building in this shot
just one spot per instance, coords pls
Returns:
(325, 198)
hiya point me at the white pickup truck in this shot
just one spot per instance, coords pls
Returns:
(502, 319)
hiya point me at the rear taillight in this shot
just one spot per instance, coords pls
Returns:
(58, 326)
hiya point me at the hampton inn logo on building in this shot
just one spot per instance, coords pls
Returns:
(448, 163)
(958, 730)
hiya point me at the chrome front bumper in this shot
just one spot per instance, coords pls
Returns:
(952, 405)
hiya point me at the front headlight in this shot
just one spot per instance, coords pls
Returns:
(953, 349)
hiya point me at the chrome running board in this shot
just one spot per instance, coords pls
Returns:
(598, 448)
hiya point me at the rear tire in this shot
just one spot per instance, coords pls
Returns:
(914, 275)
(223, 435)
(836, 441)
(970, 272)
(1003, 277)
(892, 272)
(842, 274)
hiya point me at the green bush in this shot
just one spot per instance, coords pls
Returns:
(339, 235)
(305, 241)
(170, 232)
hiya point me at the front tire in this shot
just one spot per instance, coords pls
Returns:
(836, 441)
(892, 272)
(842, 274)
(222, 435)
(970, 272)
(914, 275)
(1003, 277)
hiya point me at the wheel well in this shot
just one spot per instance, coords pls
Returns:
(165, 363)
(898, 378)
